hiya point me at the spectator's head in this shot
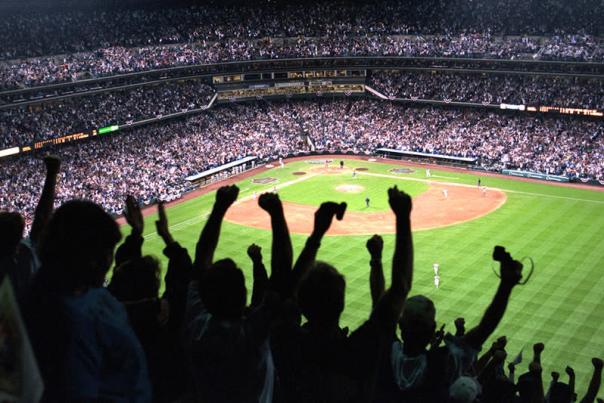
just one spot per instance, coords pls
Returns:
(464, 390)
(77, 247)
(417, 323)
(321, 295)
(136, 279)
(223, 290)
(11, 232)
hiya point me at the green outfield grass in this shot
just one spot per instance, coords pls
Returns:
(560, 228)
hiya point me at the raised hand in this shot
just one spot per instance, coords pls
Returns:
(400, 202)
(162, 224)
(569, 371)
(133, 215)
(270, 203)
(226, 196)
(325, 214)
(254, 252)
(460, 326)
(375, 245)
(53, 164)
(597, 363)
(511, 270)
(438, 337)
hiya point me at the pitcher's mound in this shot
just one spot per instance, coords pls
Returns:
(350, 188)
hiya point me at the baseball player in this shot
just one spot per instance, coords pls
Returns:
(435, 266)
(436, 280)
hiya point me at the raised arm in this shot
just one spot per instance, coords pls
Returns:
(498, 345)
(511, 273)
(390, 306)
(179, 269)
(208, 239)
(538, 395)
(375, 245)
(47, 199)
(595, 382)
(438, 338)
(460, 327)
(281, 251)
(323, 218)
(571, 379)
(402, 261)
(537, 351)
(132, 246)
(488, 372)
(161, 225)
(259, 271)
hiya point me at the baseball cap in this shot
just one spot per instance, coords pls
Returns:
(464, 390)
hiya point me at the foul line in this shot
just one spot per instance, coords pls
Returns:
(203, 216)
(474, 186)
(445, 177)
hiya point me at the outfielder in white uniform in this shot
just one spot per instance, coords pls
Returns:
(436, 280)
(435, 267)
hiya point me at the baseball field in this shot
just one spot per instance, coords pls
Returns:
(456, 224)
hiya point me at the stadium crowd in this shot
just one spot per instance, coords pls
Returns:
(42, 33)
(27, 124)
(152, 162)
(45, 120)
(200, 340)
(119, 60)
(492, 88)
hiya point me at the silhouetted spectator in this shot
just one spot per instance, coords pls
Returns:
(81, 335)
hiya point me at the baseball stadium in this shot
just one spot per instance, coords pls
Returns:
(286, 201)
